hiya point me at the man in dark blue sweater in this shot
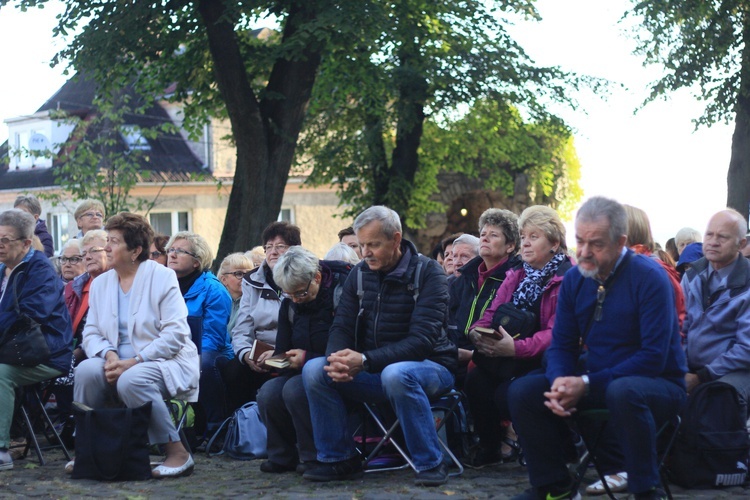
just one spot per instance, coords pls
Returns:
(620, 307)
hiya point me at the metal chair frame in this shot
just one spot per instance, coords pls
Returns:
(29, 423)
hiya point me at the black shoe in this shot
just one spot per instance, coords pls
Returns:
(653, 494)
(274, 468)
(432, 477)
(484, 457)
(335, 471)
(303, 467)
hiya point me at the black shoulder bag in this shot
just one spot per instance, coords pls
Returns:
(23, 343)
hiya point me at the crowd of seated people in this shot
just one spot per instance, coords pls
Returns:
(504, 317)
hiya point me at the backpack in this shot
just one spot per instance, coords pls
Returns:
(712, 445)
(246, 436)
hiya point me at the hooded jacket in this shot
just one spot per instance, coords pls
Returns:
(209, 302)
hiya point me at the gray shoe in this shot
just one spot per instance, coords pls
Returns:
(6, 462)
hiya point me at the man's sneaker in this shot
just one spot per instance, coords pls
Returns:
(654, 494)
(335, 471)
(5, 461)
(432, 477)
(543, 494)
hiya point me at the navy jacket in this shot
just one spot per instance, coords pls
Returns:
(308, 330)
(40, 295)
(637, 333)
(43, 234)
(396, 328)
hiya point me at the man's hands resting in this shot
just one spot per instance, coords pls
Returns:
(564, 395)
(344, 365)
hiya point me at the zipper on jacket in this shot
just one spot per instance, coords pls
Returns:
(484, 308)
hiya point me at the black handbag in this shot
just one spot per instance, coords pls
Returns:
(112, 443)
(519, 324)
(23, 343)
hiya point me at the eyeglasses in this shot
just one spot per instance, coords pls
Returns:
(180, 251)
(91, 251)
(601, 292)
(7, 241)
(278, 247)
(298, 295)
(71, 260)
(156, 254)
(237, 274)
(91, 215)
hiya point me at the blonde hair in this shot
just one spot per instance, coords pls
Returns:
(548, 220)
(639, 228)
(198, 245)
(236, 260)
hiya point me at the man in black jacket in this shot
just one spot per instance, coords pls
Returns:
(387, 344)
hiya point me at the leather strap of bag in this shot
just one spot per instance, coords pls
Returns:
(15, 295)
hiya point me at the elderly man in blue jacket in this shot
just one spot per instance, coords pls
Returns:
(387, 344)
(620, 306)
(717, 300)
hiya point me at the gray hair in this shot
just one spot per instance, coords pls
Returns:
(598, 206)
(296, 268)
(94, 234)
(389, 220)
(468, 239)
(73, 242)
(342, 251)
(22, 222)
(198, 245)
(739, 220)
(506, 220)
(691, 235)
(29, 201)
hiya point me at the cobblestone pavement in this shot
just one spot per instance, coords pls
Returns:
(223, 477)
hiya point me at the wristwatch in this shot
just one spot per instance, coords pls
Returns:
(365, 363)
(585, 379)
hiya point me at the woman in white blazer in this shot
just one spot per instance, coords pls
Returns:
(137, 339)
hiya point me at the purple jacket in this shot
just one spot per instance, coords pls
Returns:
(535, 345)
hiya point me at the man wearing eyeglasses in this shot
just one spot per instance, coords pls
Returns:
(617, 307)
(89, 215)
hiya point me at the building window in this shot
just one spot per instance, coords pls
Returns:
(169, 223)
(286, 215)
(57, 225)
(134, 138)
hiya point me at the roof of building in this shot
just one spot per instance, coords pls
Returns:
(168, 158)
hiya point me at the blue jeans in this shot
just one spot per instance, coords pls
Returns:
(407, 385)
(638, 406)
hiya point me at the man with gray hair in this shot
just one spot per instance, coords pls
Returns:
(387, 344)
(465, 248)
(619, 306)
(29, 203)
(717, 299)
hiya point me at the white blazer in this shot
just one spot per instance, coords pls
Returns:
(157, 325)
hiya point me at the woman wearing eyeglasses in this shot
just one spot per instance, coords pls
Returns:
(89, 215)
(209, 306)
(158, 251)
(258, 316)
(233, 268)
(305, 316)
(71, 262)
(137, 339)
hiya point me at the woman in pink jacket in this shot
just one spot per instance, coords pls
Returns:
(530, 292)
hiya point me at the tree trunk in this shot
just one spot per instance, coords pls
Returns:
(738, 176)
(265, 132)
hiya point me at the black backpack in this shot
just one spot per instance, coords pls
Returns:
(711, 449)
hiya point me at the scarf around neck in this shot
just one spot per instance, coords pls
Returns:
(533, 283)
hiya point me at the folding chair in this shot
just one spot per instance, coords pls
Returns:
(665, 435)
(31, 413)
(447, 404)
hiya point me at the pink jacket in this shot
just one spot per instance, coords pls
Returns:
(534, 346)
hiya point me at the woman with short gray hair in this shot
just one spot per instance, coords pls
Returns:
(28, 285)
(309, 290)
